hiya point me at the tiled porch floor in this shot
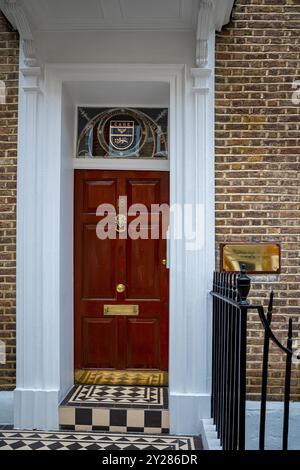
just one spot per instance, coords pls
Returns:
(115, 409)
(34, 440)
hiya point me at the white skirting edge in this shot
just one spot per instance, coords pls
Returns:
(36, 409)
(6, 408)
(209, 436)
(186, 411)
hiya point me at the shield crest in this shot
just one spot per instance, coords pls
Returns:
(121, 134)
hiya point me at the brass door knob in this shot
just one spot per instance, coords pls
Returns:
(120, 288)
(164, 262)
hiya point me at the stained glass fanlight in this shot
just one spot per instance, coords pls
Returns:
(122, 133)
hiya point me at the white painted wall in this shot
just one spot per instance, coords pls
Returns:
(131, 47)
(274, 424)
(66, 245)
(6, 408)
(119, 93)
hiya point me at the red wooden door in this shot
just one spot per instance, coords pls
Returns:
(119, 342)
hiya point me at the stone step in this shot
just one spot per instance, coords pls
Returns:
(118, 408)
(39, 440)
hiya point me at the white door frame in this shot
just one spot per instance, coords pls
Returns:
(44, 254)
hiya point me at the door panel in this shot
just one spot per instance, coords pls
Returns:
(143, 192)
(100, 342)
(143, 269)
(95, 191)
(119, 342)
(98, 265)
(143, 345)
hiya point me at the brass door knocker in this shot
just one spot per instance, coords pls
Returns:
(121, 223)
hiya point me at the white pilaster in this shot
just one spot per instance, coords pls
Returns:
(190, 372)
(32, 395)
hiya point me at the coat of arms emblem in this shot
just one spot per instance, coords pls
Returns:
(121, 134)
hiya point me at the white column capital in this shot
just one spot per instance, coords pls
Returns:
(201, 78)
(31, 80)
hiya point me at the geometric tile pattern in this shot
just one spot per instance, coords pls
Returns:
(114, 409)
(103, 395)
(114, 420)
(33, 440)
(121, 377)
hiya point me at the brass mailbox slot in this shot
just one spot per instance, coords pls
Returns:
(121, 310)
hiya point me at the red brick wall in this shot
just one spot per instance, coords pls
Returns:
(9, 55)
(258, 158)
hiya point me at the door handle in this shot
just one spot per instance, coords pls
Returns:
(120, 288)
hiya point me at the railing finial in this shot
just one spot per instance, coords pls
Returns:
(243, 286)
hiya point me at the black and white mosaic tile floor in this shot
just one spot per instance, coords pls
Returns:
(32, 440)
(117, 396)
(115, 409)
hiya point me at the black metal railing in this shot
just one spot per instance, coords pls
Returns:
(229, 343)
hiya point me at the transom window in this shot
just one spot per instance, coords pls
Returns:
(122, 133)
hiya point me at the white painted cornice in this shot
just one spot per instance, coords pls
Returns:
(14, 12)
(212, 16)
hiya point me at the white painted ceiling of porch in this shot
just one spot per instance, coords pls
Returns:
(97, 15)
(119, 93)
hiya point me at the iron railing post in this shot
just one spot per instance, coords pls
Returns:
(287, 388)
(230, 308)
(243, 287)
(263, 406)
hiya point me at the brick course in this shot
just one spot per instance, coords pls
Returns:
(9, 59)
(257, 159)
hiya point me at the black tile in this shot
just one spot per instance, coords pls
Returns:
(135, 429)
(112, 447)
(67, 427)
(198, 443)
(16, 445)
(152, 419)
(153, 407)
(74, 446)
(83, 416)
(36, 445)
(92, 447)
(100, 428)
(165, 431)
(55, 446)
(118, 418)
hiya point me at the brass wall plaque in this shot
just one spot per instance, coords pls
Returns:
(259, 258)
(121, 310)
